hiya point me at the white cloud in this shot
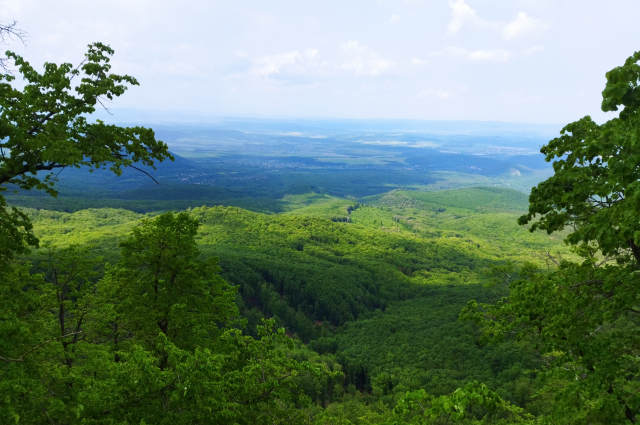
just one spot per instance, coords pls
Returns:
(366, 62)
(395, 19)
(267, 65)
(521, 96)
(417, 61)
(15, 7)
(311, 53)
(373, 66)
(353, 46)
(440, 93)
(531, 50)
(358, 59)
(490, 55)
(463, 15)
(522, 24)
(498, 55)
(452, 51)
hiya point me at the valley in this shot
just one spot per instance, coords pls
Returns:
(374, 284)
(319, 213)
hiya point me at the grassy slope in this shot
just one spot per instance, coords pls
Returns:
(72, 204)
(480, 215)
(475, 197)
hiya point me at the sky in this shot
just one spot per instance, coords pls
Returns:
(531, 61)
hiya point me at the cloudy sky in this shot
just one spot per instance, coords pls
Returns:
(538, 61)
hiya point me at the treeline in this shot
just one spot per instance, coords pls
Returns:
(143, 323)
(307, 272)
(323, 271)
(155, 339)
(322, 281)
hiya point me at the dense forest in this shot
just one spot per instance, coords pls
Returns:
(377, 303)
(323, 302)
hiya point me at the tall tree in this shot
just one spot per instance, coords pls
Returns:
(595, 190)
(50, 351)
(10, 32)
(176, 308)
(584, 316)
(161, 286)
(151, 342)
(43, 127)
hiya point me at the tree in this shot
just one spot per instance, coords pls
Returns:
(595, 189)
(584, 317)
(151, 342)
(43, 127)
(50, 350)
(180, 361)
(160, 285)
(418, 407)
(10, 32)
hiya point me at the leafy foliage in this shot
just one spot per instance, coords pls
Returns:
(159, 266)
(596, 180)
(149, 342)
(582, 319)
(421, 408)
(15, 233)
(42, 126)
(582, 316)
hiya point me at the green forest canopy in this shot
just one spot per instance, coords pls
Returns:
(335, 312)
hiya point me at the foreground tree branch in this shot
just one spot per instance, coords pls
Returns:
(21, 358)
(10, 32)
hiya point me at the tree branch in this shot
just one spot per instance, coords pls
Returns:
(10, 32)
(21, 358)
(552, 259)
(25, 169)
(45, 118)
(142, 171)
(268, 392)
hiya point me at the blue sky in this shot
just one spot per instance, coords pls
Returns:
(537, 61)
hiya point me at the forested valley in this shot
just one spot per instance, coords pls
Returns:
(369, 286)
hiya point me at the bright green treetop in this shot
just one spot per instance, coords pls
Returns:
(596, 186)
(160, 285)
(43, 127)
(584, 318)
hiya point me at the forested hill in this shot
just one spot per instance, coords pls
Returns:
(320, 270)
(338, 278)
(306, 268)
(377, 284)
(270, 275)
